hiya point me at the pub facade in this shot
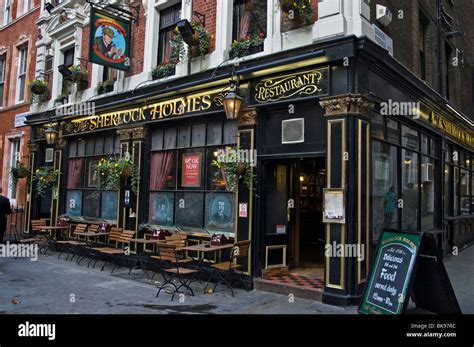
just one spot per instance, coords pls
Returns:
(343, 140)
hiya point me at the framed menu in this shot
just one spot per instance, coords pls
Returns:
(334, 205)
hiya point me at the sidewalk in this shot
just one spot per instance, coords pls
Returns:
(52, 286)
(460, 270)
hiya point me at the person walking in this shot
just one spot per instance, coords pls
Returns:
(5, 209)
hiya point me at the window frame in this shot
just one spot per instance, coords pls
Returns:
(14, 157)
(163, 30)
(3, 70)
(20, 93)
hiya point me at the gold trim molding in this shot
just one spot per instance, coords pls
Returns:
(348, 104)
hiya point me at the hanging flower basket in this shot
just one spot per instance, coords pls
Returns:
(46, 179)
(18, 172)
(38, 87)
(233, 169)
(198, 47)
(111, 170)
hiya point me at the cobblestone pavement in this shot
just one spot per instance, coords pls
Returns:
(47, 286)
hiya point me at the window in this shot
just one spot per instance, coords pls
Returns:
(424, 22)
(68, 61)
(186, 189)
(27, 5)
(14, 157)
(410, 188)
(249, 18)
(21, 82)
(427, 193)
(384, 188)
(84, 198)
(7, 12)
(2, 79)
(168, 19)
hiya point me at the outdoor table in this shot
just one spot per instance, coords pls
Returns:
(91, 234)
(140, 256)
(50, 233)
(200, 263)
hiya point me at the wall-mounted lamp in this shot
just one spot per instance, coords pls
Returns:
(232, 101)
(51, 134)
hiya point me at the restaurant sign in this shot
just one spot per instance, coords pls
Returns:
(302, 84)
(190, 104)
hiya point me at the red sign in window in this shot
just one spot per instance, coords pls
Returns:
(191, 170)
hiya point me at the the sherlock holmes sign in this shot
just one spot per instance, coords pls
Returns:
(190, 104)
(301, 84)
(109, 40)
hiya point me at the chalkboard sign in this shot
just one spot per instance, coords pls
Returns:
(389, 281)
(408, 265)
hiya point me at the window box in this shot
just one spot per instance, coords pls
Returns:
(163, 70)
(247, 46)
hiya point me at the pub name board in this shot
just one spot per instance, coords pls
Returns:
(302, 84)
(197, 103)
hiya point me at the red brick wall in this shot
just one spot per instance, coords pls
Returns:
(137, 43)
(209, 8)
(9, 37)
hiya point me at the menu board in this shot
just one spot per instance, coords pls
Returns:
(387, 288)
(334, 211)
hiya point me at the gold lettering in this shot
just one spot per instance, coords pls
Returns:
(206, 100)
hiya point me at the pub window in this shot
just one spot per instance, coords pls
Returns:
(410, 188)
(249, 18)
(2, 78)
(186, 189)
(392, 131)
(384, 188)
(427, 193)
(378, 126)
(410, 138)
(84, 196)
(448, 191)
(464, 192)
(168, 19)
(21, 81)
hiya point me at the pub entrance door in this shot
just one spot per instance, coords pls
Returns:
(292, 212)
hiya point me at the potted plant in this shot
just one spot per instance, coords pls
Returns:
(251, 44)
(79, 76)
(38, 87)
(163, 70)
(199, 46)
(297, 13)
(111, 170)
(46, 178)
(61, 99)
(234, 169)
(19, 171)
(106, 86)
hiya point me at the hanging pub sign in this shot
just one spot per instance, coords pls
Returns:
(314, 82)
(191, 176)
(109, 42)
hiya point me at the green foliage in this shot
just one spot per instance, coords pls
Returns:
(111, 170)
(163, 70)
(19, 171)
(200, 40)
(38, 87)
(46, 178)
(234, 169)
(302, 10)
(241, 48)
(78, 73)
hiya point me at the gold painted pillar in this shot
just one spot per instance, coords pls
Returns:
(348, 168)
(132, 141)
(33, 149)
(58, 165)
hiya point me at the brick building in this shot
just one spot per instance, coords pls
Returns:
(18, 35)
(314, 81)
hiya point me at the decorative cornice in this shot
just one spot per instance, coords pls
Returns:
(135, 133)
(347, 104)
(61, 143)
(3, 50)
(249, 116)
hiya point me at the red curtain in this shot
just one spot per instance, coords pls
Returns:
(245, 18)
(161, 164)
(75, 173)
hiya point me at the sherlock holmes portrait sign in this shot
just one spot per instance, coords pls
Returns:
(109, 40)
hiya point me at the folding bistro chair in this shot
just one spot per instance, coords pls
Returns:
(73, 247)
(172, 270)
(226, 271)
(113, 238)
